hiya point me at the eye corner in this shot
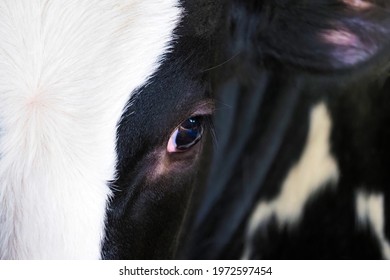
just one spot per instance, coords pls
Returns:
(171, 147)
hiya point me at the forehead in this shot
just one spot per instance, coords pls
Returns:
(67, 71)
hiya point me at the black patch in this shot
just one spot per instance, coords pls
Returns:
(279, 67)
(145, 215)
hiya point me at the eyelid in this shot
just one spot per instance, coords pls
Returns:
(204, 108)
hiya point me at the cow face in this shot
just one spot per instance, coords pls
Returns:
(161, 135)
(160, 138)
(103, 108)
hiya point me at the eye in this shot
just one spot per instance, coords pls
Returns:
(186, 135)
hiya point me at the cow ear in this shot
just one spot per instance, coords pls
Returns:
(325, 34)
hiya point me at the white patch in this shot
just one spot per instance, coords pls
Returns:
(315, 170)
(370, 213)
(67, 70)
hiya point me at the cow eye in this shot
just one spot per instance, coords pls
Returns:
(186, 135)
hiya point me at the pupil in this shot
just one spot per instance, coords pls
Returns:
(191, 123)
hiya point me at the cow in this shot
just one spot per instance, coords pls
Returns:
(107, 146)
(104, 112)
(301, 165)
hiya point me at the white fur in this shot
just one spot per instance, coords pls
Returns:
(67, 70)
(370, 213)
(315, 169)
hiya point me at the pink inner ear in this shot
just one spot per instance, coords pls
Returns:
(346, 47)
(358, 4)
(341, 37)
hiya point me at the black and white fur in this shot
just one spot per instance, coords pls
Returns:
(91, 91)
(89, 94)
